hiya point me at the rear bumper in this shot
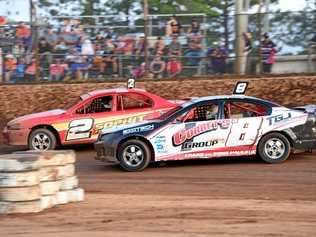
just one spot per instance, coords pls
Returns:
(15, 137)
(306, 145)
(105, 153)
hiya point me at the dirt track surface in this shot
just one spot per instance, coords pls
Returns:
(226, 197)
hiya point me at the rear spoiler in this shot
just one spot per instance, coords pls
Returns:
(311, 109)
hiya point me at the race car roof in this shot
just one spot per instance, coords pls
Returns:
(113, 90)
(225, 97)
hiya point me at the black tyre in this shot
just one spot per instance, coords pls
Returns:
(42, 139)
(274, 148)
(134, 155)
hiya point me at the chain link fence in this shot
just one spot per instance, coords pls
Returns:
(77, 48)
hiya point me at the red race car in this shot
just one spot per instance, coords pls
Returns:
(81, 123)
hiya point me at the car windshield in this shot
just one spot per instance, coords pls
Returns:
(169, 113)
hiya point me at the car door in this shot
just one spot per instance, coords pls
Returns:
(199, 132)
(247, 118)
(88, 119)
(133, 108)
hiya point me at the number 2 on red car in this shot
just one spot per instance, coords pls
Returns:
(80, 129)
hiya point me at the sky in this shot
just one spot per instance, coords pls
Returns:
(292, 5)
(19, 8)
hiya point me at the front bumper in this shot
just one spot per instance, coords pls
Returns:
(17, 137)
(105, 152)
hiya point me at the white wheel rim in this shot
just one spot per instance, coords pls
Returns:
(274, 148)
(41, 142)
(133, 155)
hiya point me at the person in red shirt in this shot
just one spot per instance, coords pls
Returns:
(174, 67)
(57, 70)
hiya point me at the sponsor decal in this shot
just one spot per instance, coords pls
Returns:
(187, 134)
(160, 144)
(187, 146)
(117, 122)
(279, 118)
(219, 154)
(138, 129)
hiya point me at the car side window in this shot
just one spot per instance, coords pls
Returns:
(97, 105)
(237, 109)
(200, 113)
(134, 101)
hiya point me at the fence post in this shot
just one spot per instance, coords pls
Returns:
(146, 38)
(239, 42)
(1, 66)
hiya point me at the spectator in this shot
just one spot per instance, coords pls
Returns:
(70, 38)
(129, 47)
(99, 61)
(60, 49)
(110, 58)
(20, 70)
(67, 27)
(139, 71)
(246, 60)
(87, 48)
(125, 45)
(30, 72)
(18, 50)
(57, 70)
(110, 34)
(175, 47)
(9, 67)
(268, 52)
(194, 29)
(159, 46)
(218, 56)
(74, 61)
(45, 51)
(23, 33)
(174, 67)
(157, 67)
(140, 47)
(173, 26)
(51, 37)
(195, 51)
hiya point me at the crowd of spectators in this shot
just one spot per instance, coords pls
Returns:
(70, 52)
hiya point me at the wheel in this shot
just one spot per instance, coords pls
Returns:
(274, 148)
(42, 140)
(134, 155)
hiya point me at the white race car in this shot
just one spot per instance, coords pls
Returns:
(216, 126)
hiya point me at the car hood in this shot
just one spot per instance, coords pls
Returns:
(120, 128)
(42, 115)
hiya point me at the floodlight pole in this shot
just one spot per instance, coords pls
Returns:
(239, 39)
(146, 32)
(266, 26)
(33, 21)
